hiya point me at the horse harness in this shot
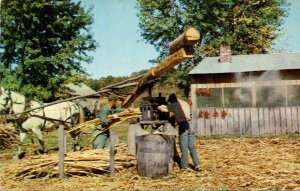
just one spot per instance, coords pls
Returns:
(9, 109)
(23, 117)
(52, 119)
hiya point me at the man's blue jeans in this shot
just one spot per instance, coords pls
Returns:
(101, 141)
(186, 140)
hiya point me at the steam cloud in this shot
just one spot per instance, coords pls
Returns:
(273, 95)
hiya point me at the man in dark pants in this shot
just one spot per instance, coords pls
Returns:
(182, 113)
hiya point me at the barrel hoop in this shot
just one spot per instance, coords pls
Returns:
(151, 150)
(152, 164)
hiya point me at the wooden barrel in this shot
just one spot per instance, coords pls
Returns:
(154, 153)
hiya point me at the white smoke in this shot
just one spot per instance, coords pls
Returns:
(270, 95)
(242, 97)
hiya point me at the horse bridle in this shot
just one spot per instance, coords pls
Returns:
(9, 105)
(5, 105)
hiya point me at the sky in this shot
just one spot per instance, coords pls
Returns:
(122, 50)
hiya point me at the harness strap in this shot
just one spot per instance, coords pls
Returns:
(11, 104)
(50, 119)
(44, 115)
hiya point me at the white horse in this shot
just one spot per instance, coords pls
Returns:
(47, 118)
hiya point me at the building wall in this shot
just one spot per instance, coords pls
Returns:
(250, 120)
(251, 106)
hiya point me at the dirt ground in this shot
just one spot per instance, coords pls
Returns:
(227, 164)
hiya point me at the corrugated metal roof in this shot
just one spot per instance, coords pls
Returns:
(249, 63)
(80, 89)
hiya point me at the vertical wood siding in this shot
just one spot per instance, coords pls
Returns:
(256, 121)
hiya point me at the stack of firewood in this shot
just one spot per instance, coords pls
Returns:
(8, 136)
(88, 162)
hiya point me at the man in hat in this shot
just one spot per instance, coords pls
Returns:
(101, 132)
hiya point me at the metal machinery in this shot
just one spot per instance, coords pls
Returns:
(150, 114)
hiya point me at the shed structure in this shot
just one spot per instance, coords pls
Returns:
(246, 94)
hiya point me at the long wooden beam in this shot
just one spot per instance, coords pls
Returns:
(154, 73)
(186, 39)
(180, 51)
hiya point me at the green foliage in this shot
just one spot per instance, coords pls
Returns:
(248, 26)
(43, 44)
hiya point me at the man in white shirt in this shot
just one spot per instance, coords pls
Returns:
(182, 113)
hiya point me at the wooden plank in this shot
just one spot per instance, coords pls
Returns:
(261, 122)
(295, 123)
(207, 125)
(219, 125)
(236, 119)
(277, 120)
(266, 118)
(224, 125)
(254, 121)
(272, 120)
(201, 126)
(212, 121)
(230, 121)
(194, 108)
(289, 123)
(298, 118)
(283, 128)
(248, 129)
(242, 121)
(218, 122)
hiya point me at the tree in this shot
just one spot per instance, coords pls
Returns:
(248, 26)
(42, 44)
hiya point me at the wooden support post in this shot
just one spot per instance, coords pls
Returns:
(194, 108)
(223, 97)
(112, 133)
(62, 150)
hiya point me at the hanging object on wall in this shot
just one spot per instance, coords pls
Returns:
(206, 115)
(200, 114)
(216, 114)
(203, 92)
(223, 114)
